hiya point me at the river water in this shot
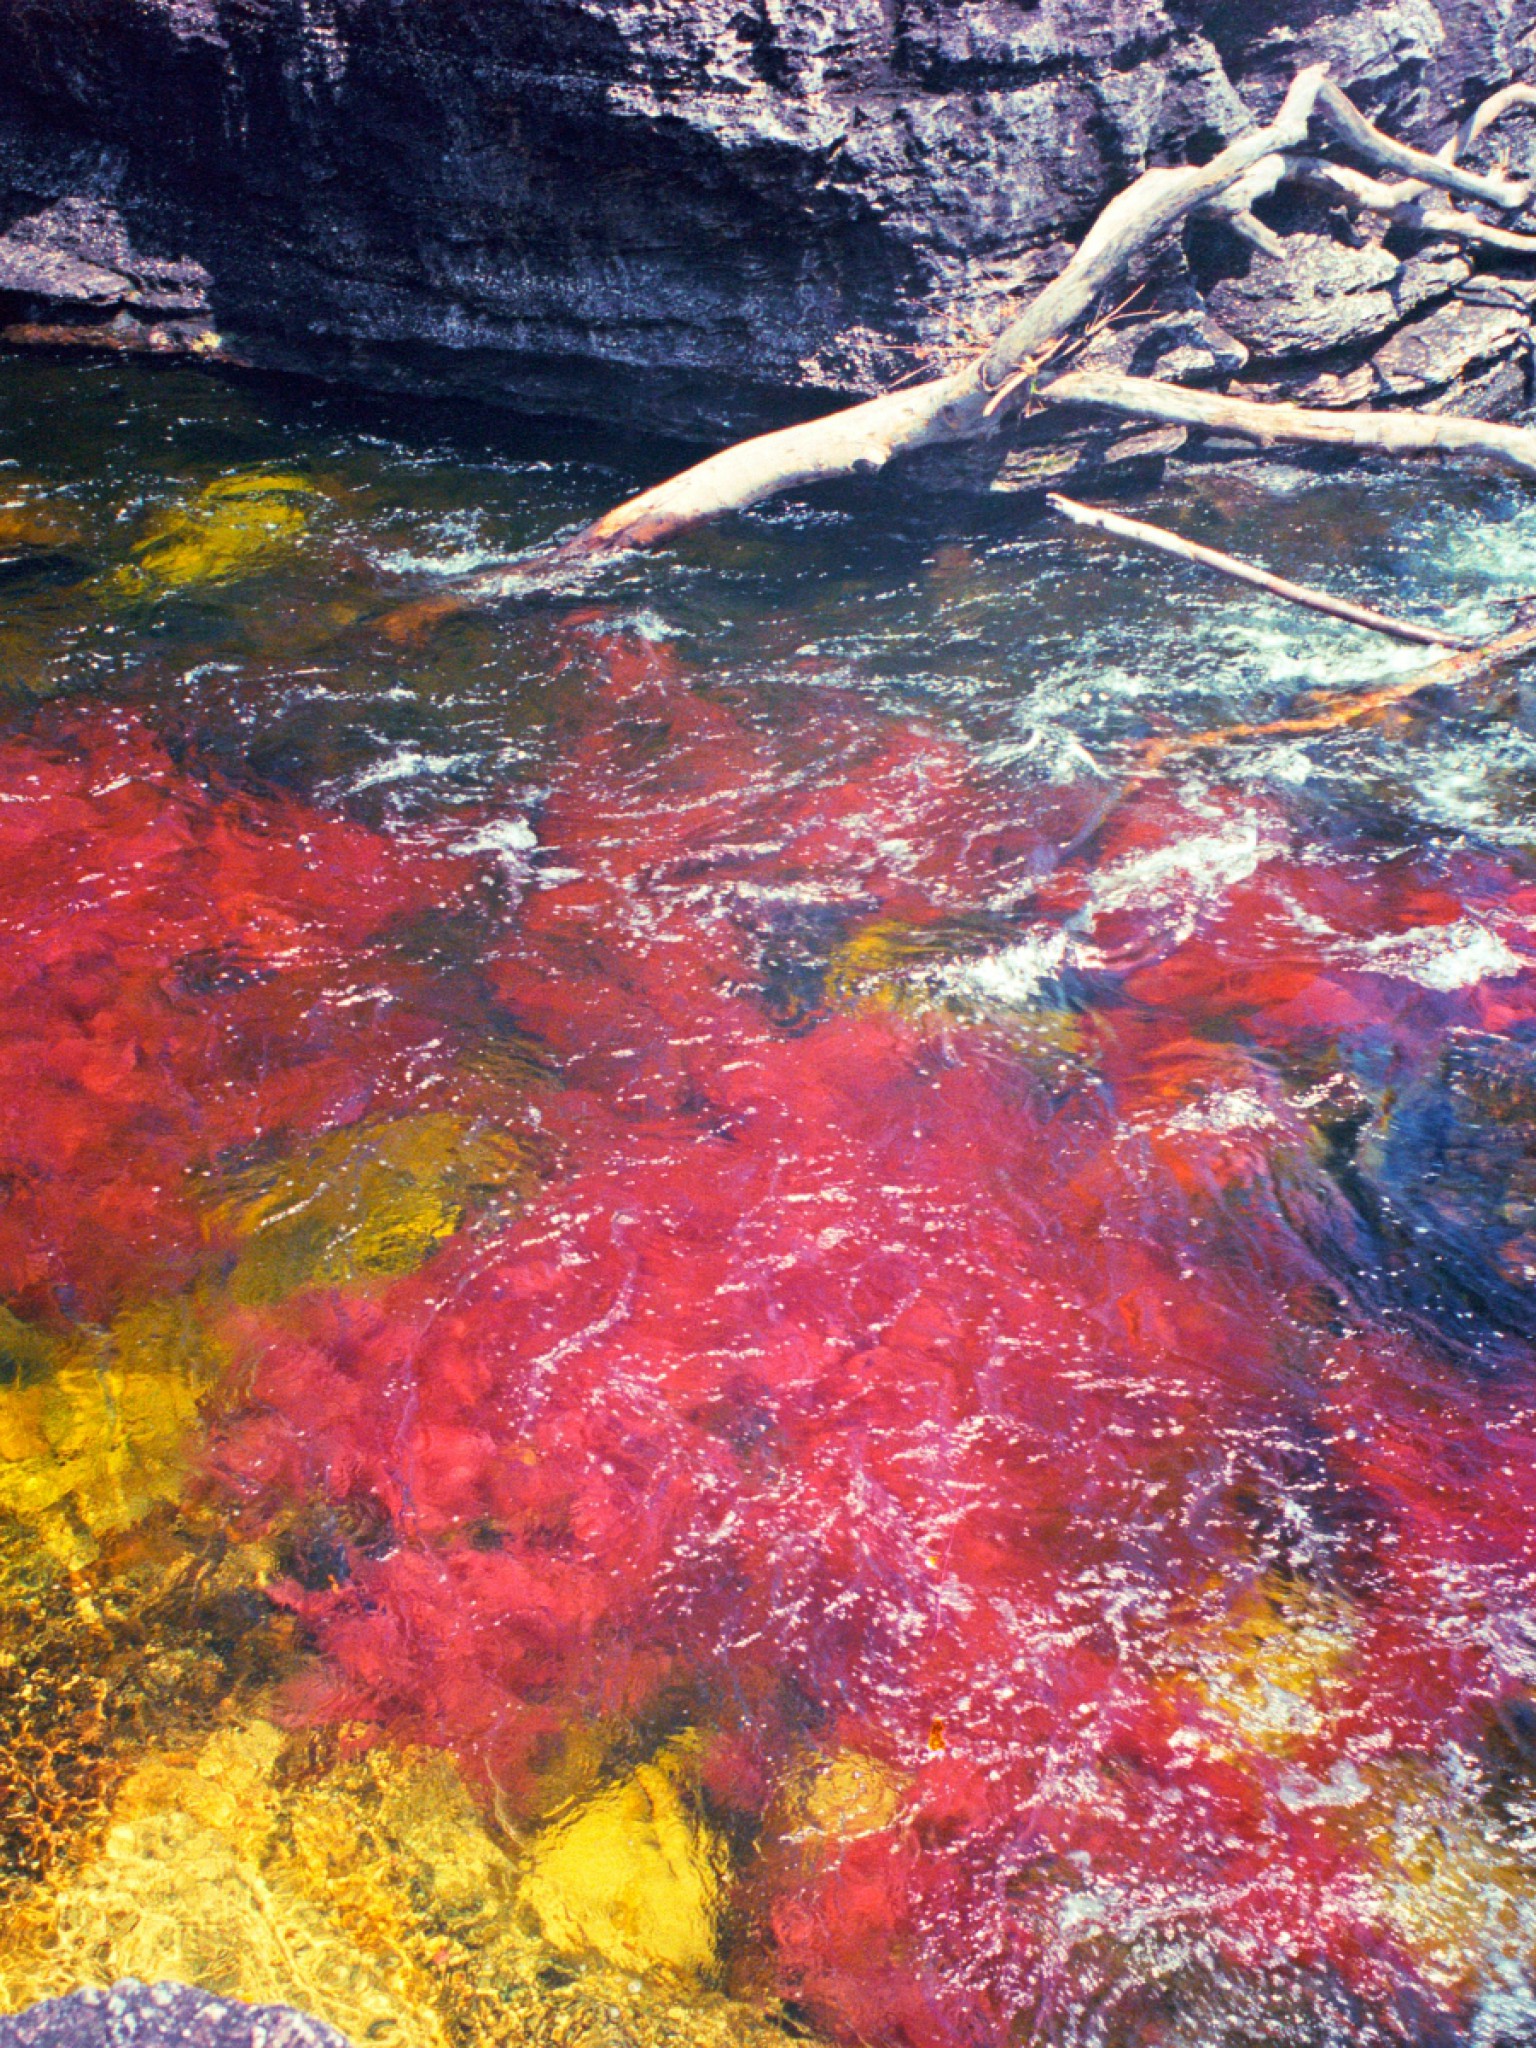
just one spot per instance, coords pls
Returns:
(714, 1332)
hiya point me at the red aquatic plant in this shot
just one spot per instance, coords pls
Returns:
(864, 1380)
(186, 972)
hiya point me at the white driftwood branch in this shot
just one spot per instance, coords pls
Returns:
(1345, 118)
(862, 439)
(1404, 201)
(1372, 195)
(1391, 433)
(975, 401)
(1481, 119)
(1143, 534)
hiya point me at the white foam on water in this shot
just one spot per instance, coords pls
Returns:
(513, 841)
(1224, 1111)
(453, 562)
(408, 763)
(644, 624)
(1187, 879)
(1011, 978)
(1442, 957)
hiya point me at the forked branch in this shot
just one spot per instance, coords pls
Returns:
(977, 400)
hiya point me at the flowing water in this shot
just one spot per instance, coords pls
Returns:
(710, 1335)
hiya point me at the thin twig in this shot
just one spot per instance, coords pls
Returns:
(1148, 536)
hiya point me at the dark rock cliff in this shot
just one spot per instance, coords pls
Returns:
(691, 214)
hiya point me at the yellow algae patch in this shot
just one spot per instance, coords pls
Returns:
(364, 1889)
(232, 527)
(1269, 1670)
(369, 1201)
(884, 961)
(94, 1427)
(1445, 1881)
(632, 1873)
(940, 970)
(181, 1888)
(101, 1661)
(842, 1796)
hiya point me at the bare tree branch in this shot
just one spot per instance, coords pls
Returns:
(1477, 123)
(1481, 665)
(1143, 534)
(1371, 195)
(974, 401)
(1346, 120)
(1391, 433)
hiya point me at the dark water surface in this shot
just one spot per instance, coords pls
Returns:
(710, 1335)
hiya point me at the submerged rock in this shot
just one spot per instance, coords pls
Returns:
(296, 1873)
(364, 1202)
(235, 526)
(633, 1874)
(1453, 1164)
(1422, 1198)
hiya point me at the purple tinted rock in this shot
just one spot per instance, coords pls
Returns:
(134, 2015)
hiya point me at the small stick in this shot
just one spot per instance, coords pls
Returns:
(1166, 543)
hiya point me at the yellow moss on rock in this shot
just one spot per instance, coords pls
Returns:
(232, 527)
(842, 1796)
(877, 962)
(1269, 1668)
(94, 1426)
(1445, 1880)
(939, 971)
(187, 1885)
(632, 1873)
(367, 1202)
(363, 1888)
(149, 1642)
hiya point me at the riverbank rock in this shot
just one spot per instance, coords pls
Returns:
(133, 2015)
(696, 216)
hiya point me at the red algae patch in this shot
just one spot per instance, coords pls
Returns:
(916, 1462)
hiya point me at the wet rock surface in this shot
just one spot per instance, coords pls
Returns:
(134, 2015)
(690, 215)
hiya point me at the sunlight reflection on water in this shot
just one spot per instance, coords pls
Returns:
(703, 1322)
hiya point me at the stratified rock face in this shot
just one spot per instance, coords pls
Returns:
(161, 2016)
(693, 214)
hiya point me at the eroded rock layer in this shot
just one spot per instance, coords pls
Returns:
(695, 215)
